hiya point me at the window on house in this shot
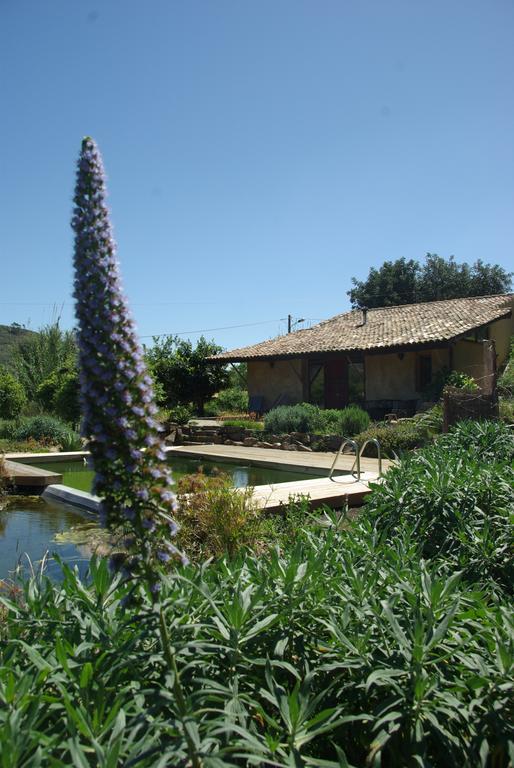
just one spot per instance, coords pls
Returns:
(423, 372)
(356, 383)
(316, 383)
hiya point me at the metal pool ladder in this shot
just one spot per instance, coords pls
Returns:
(358, 454)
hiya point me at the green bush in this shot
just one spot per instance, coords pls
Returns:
(214, 518)
(306, 417)
(180, 414)
(395, 437)
(461, 380)
(486, 441)
(12, 396)
(350, 420)
(338, 651)
(233, 400)
(59, 393)
(303, 417)
(507, 410)
(47, 429)
(7, 427)
(456, 498)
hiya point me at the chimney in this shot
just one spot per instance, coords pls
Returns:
(364, 315)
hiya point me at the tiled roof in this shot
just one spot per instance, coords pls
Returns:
(405, 325)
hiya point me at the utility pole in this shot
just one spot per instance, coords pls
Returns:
(291, 324)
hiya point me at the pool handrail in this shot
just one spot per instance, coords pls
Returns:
(355, 446)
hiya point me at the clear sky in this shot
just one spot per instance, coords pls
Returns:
(260, 153)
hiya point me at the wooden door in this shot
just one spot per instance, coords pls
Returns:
(336, 383)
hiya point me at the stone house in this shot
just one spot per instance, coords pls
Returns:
(386, 359)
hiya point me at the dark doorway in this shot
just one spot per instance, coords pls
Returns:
(336, 383)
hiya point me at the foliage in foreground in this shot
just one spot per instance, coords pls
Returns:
(350, 646)
(457, 497)
(340, 651)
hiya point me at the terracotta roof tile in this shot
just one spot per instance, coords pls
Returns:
(404, 325)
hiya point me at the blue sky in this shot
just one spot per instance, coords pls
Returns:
(259, 153)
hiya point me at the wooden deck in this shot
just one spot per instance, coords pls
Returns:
(23, 475)
(312, 463)
(335, 493)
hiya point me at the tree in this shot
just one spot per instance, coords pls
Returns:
(407, 282)
(41, 354)
(183, 371)
(12, 396)
(59, 393)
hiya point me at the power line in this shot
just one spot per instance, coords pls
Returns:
(208, 330)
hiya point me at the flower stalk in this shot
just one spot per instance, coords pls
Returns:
(118, 409)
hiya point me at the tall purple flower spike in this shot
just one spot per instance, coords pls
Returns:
(116, 392)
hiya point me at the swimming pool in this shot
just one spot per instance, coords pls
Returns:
(79, 475)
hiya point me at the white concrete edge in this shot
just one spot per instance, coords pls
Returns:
(66, 495)
(36, 458)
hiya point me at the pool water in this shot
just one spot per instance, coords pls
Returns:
(28, 526)
(77, 474)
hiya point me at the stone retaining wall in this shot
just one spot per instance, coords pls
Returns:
(225, 435)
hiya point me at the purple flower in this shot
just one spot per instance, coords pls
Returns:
(116, 390)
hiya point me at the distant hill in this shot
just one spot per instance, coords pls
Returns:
(10, 337)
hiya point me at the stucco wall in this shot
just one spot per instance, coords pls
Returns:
(468, 357)
(500, 332)
(283, 377)
(389, 378)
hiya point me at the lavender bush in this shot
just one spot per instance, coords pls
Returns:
(116, 391)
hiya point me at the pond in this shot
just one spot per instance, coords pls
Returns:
(31, 527)
(28, 527)
(77, 474)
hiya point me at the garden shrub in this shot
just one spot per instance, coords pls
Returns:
(395, 437)
(338, 651)
(59, 393)
(306, 417)
(232, 400)
(486, 441)
(460, 380)
(7, 427)
(457, 498)
(180, 414)
(12, 396)
(350, 420)
(214, 517)
(302, 417)
(47, 429)
(507, 410)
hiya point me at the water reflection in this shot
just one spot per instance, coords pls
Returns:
(27, 530)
